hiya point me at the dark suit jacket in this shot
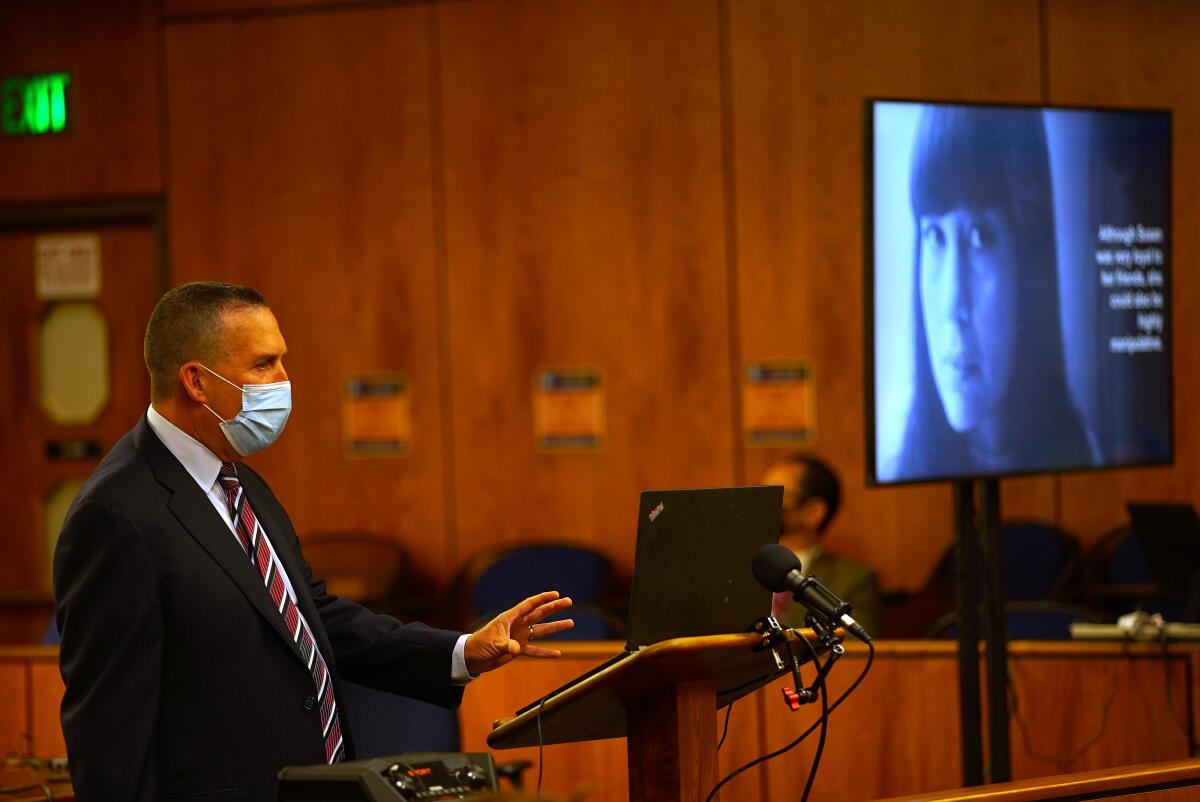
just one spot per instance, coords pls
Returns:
(181, 682)
(854, 583)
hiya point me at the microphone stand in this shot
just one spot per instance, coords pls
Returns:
(773, 634)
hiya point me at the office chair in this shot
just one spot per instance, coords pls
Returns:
(1023, 620)
(365, 567)
(495, 579)
(1118, 579)
(384, 724)
(1040, 562)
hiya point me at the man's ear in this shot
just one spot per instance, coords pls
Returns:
(190, 375)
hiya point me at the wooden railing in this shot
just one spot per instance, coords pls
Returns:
(1170, 781)
(30, 692)
(1079, 707)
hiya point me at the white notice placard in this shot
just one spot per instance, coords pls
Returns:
(66, 266)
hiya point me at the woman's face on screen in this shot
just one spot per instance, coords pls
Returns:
(968, 289)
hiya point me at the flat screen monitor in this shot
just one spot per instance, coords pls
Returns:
(1018, 280)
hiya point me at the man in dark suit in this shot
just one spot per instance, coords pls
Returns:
(811, 494)
(200, 655)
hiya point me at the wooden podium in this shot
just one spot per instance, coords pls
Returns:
(663, 699)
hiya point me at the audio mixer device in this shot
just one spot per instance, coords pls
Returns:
(424, 776)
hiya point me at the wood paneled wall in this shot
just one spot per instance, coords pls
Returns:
(111, 51)
(301, 164)
(584, 225)
(466, 191)
(800, 72)
(1092, 61)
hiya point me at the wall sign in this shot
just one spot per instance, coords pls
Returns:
(66, 266)
(34, 104)
(778, 403)
(376, 416)
(568, 409)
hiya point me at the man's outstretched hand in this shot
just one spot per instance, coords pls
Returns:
(509, 634)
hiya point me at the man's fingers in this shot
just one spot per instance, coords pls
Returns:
(540, 651)
(533, 602)
(547, 628)
(548, 609)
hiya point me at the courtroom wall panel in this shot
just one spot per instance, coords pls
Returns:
(301, 164)
(1142, 691)
(14, 713)
(468, 191)
(584, 220)
(800, 72)
(1142, 55)
(111, 146)
(179, 10)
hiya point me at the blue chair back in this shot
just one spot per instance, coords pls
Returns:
(383, 723)
(1039, 561)
(497, 580)
(1126, 563)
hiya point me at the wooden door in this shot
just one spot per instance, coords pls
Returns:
(44, 442)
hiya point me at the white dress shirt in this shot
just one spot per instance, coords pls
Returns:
(204, 466)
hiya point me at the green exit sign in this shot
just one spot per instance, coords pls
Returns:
(34, 104)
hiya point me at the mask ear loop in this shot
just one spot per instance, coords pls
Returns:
(215, 415)
(219, 376)
(227, 381)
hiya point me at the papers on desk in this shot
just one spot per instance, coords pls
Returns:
(1171, 631)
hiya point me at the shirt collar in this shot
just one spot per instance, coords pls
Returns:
(808, 557)
(197, 460)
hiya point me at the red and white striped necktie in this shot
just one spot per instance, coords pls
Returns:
(254, 540)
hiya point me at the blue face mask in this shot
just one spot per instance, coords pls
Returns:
(265, 410)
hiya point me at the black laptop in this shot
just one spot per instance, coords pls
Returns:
(1170, 538)
(691, 571)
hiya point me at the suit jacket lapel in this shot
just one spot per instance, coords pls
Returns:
(201, 520)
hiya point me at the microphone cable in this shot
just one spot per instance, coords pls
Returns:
(725, 730)
(541, 745)
(1184, 729)
(824, 714)
(824, 721)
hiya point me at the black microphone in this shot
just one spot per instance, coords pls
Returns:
(777, 568)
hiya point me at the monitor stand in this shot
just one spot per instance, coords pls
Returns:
(977, 528)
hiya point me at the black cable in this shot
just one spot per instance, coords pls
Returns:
(541, 744)
(1188, 734)
(1061, 763)
(795, 664)
(812, 772)
(803, 735)
(725, 731)
(795, 682)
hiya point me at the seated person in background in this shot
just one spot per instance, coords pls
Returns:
(810, 500)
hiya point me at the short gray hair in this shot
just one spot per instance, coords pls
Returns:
(186, 325)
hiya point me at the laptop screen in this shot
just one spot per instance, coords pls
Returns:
(1170, 538)
(691, 572)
